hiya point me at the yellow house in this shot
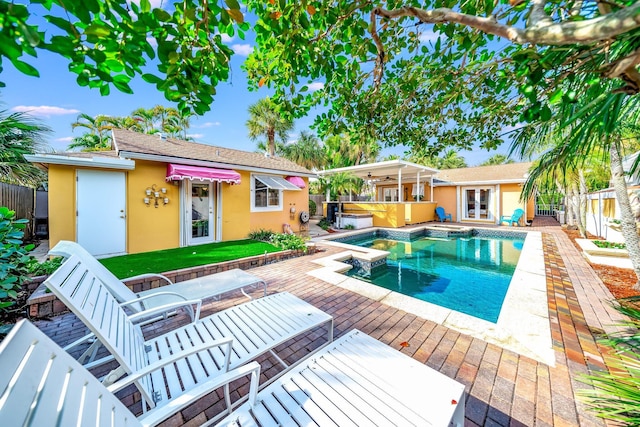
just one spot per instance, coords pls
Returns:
(483, 194)
(150, 192)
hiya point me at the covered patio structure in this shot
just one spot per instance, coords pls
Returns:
(400, 193)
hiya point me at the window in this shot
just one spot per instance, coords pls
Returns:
(267, 192)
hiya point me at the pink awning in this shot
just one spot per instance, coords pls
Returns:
(179, 172)
(297, 181)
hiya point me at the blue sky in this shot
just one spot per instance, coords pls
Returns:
(56, 100)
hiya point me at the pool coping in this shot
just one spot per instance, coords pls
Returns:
(523, 325)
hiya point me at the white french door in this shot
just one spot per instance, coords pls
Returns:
(477, 203)
(201, 212)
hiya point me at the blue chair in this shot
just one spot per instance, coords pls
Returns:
(442, 216)
(512, 219)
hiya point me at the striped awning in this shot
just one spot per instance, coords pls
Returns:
(177, 172)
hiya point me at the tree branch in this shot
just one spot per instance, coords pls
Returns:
(557, 34)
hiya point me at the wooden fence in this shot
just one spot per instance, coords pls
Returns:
(21, 200)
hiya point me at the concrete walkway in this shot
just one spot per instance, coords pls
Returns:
(503, 388)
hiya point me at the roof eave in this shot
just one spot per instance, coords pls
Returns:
(490, 182)
(208, 163)
(96, 162)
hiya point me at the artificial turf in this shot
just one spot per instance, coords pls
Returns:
(174, 259)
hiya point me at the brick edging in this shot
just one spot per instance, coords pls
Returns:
(45, 304)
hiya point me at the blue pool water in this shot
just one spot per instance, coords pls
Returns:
(469, 275)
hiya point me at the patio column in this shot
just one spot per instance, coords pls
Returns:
(328, 195)
(400, 198)
(419, 193)
(431, 188)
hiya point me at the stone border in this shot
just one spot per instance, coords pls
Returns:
(523, 324)
(45, 304)
(604, 256)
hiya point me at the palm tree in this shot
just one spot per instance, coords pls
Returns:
(596, 123)
(178, 123)
(19, 135)
(497, 159)
(98, 136)
(145, 119)
(306, 151)
(265, 119)
(452, 160)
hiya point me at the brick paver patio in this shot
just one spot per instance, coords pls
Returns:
(503, 388)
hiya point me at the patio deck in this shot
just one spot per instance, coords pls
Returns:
(503, 388)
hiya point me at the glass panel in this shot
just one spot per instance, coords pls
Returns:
(470, 203)
(199, 210)
(274, 197)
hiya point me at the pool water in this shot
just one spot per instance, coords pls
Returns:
(469, 275)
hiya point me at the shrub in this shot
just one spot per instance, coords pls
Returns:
(312, 207)
(608, 245)
(261, 235)
(349, 227)
(14, 258)
(324, 223)
(44, 268)
(288, 241)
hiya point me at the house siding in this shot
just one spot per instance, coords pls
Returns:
(446, 198)
(62, 203)
(150, 228)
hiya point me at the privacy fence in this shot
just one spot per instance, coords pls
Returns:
(19, 199)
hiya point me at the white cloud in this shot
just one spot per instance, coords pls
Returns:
(207, 125)
(242, 49)
(195, 135)
(44, 110)
(428, 36)
(315, 86)
(65, 139)
(226, 38)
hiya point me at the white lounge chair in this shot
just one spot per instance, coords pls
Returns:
(355, 381)
(257, 326)
(165, 299)
(41, 385)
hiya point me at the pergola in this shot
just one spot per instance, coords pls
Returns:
(401, 171)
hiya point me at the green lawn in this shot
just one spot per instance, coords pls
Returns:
(174, 259)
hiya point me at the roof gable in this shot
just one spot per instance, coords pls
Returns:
(192, 152)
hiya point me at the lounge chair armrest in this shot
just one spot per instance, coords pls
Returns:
(160, 413)
(130, 379)
(148, 275)
(155, 294)
(164, 308)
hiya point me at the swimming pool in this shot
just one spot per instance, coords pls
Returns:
(470, 275)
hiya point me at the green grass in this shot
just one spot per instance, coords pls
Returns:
(175, 259)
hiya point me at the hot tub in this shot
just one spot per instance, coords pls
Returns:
(357, 220)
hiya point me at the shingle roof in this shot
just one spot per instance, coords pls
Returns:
(514, 172)
(87, 154)
(134, 142)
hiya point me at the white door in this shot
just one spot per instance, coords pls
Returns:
(101, 212)
(200, 213)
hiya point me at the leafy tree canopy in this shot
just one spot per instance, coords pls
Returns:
(109, 43)
(437, 74)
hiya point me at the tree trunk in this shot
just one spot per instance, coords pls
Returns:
(582, 204)
(271, 137)
(627, 219)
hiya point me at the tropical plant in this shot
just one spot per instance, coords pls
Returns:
(19, 135)
(324, 223)
(107, 43)
(616, 391)
(306, 151)
(392, 74)
(262, 235)
(450, 159)
(266, 119)
(288, 241)
(497, 159)
(312, 207)
(98, 134)
(14, 257)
